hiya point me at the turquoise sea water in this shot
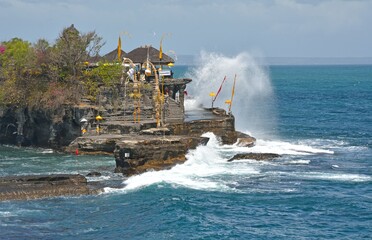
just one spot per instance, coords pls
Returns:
(321, 187)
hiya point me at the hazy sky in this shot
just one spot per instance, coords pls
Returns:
(271, 28)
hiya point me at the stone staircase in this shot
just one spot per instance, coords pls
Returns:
(174, 111)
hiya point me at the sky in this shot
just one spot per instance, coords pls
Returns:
(271, 28)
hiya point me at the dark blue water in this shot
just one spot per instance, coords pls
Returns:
(319, 189)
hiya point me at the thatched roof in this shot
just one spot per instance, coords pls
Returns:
(139, 55)
(94, 59)
(113, 56)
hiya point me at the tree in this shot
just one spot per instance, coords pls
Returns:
(18, 68)
(71, 50)
(43, 75)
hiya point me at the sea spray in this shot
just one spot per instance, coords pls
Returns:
(207, 168)
(204, 170)
(253, 105)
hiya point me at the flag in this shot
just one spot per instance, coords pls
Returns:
(219, 90)
(161, 50)
(119, 49)
(232, 94)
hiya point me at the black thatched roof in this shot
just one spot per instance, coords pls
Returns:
(113, 56)
(139, 55)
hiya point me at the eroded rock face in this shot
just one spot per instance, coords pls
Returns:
(43, 186)
(40, 128)
(223, 127)
(135, 156)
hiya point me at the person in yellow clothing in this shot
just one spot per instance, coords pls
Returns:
(98, 128)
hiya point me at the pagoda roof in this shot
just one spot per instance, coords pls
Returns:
(139, 55)
(113, 56)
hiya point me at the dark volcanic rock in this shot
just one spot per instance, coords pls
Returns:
(42, 186)
(254, 156)
(137, 155)
(221, 126)
(42, 128)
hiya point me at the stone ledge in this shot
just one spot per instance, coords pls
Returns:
(44, 186)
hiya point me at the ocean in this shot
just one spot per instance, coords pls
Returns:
(317, 117)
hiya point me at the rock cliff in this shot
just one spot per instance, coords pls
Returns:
(41, 128)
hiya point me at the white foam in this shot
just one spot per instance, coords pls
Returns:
(191, 104)
(284, 148)
(300, 162)
(100, 178)
(347, 177)
(330, 176)
(205, 170)
(207, 167)
(6, 214)
(47, 151)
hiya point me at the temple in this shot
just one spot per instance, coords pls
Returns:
(142, 118)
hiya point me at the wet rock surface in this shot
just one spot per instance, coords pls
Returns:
(254, 156)
(44, 186)
(138, 155)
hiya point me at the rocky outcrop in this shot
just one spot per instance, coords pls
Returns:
(244, 140)
(94, 144)
(254, 156)
(43, 186)
(222, 126)
(139, 154)
(42, 128)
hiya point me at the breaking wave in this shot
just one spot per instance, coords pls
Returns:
(253, 104)
(207, 168)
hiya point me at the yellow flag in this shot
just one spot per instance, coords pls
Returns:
(232, 94)
(119, 49)
(161, 51)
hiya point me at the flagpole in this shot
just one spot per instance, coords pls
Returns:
(218, 92)
(119, 49)
(232, 95)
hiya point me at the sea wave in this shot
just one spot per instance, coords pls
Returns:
(347, 177)
(207, 168)
(298, 162)
(328, 176)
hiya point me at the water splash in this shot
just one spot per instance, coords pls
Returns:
(207, 167)
(253, 105)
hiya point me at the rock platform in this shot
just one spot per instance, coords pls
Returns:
(140, 147)
(44, 186)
